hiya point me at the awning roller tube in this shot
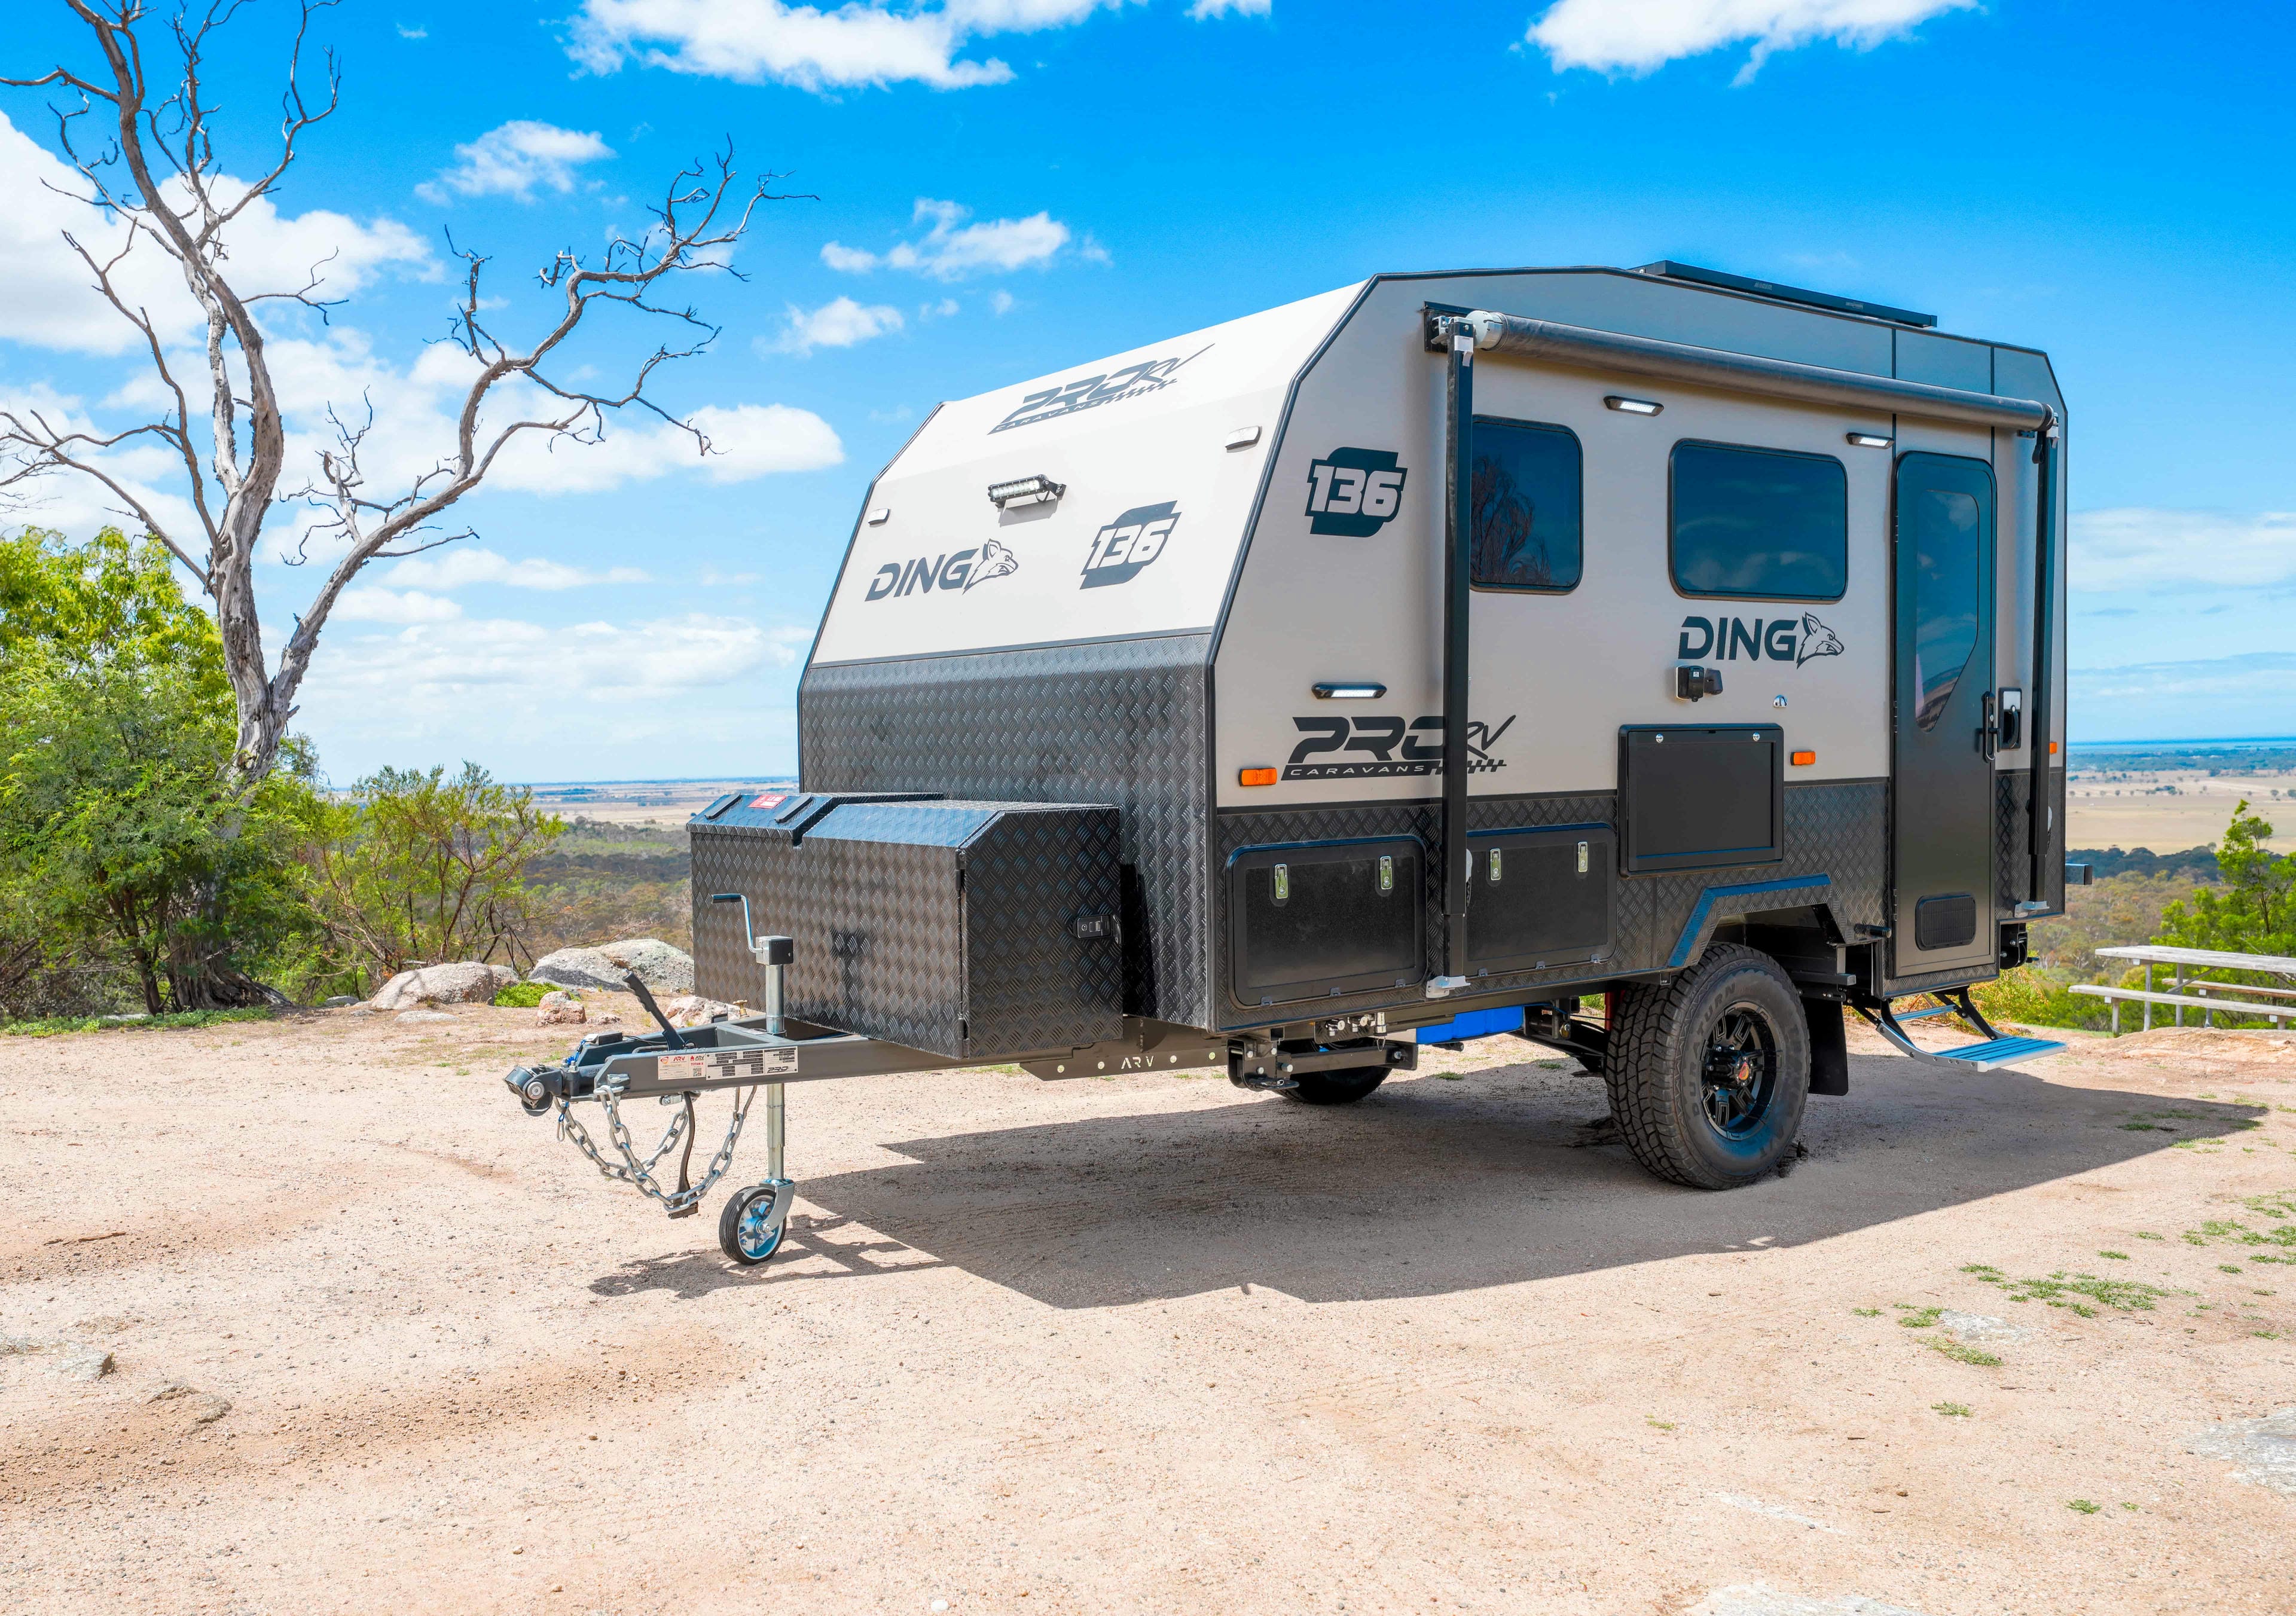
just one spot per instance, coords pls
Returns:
(1517, 337)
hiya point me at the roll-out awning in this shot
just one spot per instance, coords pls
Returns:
(1518, 337)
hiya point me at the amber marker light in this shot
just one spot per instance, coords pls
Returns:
(1804, 759)
(1255, 776)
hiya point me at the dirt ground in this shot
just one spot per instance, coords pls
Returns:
(377, 1342)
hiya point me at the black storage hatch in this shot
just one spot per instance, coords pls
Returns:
(1310, 920)
(1540, 897)
(1694, 798)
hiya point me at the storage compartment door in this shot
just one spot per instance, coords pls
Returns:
(1701, 798)
(1310, 919)
(1541, 897)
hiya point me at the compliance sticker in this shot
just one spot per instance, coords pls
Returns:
(752, 1065)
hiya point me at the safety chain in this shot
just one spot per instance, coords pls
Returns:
(631, 1170)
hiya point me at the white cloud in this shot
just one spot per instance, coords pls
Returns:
(839, 323)
(405, 32)
(509, 661)
(1204, 9)
(1641, 36)
(2181, 551)
(364, 605)
(856, 43)
(514, 158)
(1000, 301)
(459, 566)
(950, 251)
(51, 298)
(2238, 695)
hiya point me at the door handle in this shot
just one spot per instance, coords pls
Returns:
(1988, 735)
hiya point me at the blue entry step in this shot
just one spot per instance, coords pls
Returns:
(1996, 1051)
(1917, 1015)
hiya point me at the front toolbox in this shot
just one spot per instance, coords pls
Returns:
(970, 929)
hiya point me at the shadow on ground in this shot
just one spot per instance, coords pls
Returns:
(1427, 1187)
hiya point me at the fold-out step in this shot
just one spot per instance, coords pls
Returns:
(1996, 1052)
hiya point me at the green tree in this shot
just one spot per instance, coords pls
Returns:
(2254, 911)
(122, 843)
(420, 867)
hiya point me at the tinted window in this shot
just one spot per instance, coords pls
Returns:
(1526, 507)
(1759, 522)
(1943, 526)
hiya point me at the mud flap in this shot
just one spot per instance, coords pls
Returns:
(1829, 1048)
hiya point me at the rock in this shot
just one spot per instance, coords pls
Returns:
(424, 1016)
(85, 1363)
(465, 983)
(341, 1001)
(577, 968)
(559, 1009)
(660, 967)
(693, 1010)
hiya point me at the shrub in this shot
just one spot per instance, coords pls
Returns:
(522, 995)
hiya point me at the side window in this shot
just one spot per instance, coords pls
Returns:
(1768, 523)
(1525, 495)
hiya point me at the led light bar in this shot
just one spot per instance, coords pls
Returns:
(1350, 692)
(1867, 440)
(1632, 407)
(1025, 491)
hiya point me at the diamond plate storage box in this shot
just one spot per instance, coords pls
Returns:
(970, 929)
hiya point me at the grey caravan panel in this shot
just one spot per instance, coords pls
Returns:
(1121, 722)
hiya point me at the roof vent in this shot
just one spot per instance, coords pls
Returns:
(1673, 271)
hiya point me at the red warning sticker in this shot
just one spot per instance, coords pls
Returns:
(772, 800)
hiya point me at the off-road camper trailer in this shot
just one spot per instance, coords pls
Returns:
(1414, 662)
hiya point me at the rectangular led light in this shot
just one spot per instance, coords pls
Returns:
(1804, 759)
(1632, 407)
(1350, 692)
(1867, 440)
(1255, 776)
(1024, 491)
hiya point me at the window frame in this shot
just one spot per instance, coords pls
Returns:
(1673, 569)
(1578, 448)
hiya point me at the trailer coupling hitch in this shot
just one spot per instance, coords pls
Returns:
(750, 1228)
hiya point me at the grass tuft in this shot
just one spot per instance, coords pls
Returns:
(1962, 1352)
(1921, 1318)
(2082, 1506)
(1951, 1411)
(54, 1026)
(1867, 1312)
(522, 995)
(2116, 1256)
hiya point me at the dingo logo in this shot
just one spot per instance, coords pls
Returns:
(1109, 387)
(1354, 493)
(1128, 544)
(1781, 639)
(954, 573)
(1391, 746)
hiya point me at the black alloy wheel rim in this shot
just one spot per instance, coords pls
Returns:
(1740, 1077)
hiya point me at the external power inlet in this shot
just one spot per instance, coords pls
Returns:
(1697, 684)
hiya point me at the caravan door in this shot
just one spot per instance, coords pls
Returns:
(1941, 865)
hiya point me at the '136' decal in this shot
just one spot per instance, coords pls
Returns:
(1129, 543)
(1353, 493)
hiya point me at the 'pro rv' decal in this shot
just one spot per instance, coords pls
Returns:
(1128, 544)
(1781, 639)
(952, 573)
(1354, 493)
(1090, 392)
(1387, 747)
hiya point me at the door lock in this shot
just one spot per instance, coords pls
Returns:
(1696, 683)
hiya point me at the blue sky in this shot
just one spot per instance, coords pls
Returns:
(1008, 187)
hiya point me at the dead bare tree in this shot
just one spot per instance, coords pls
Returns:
(152, 175)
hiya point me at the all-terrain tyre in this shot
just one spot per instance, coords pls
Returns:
(1343, 1087)
(1709, 1071)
